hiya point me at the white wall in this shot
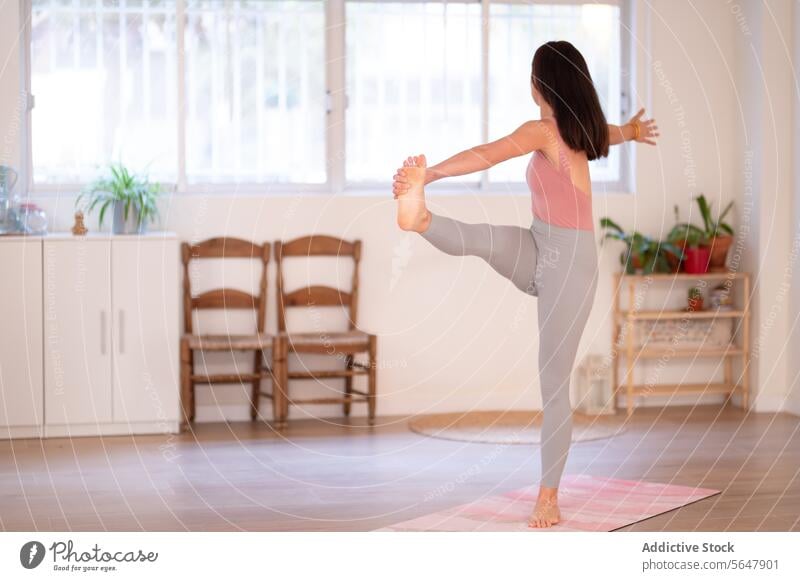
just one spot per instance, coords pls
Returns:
(453, 335)
(765, 87)
(793, 365)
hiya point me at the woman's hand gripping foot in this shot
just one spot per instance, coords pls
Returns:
(408, 188)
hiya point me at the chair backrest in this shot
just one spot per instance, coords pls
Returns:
(317, 295)
(225, 298)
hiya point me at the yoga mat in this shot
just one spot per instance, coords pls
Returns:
(587, 503)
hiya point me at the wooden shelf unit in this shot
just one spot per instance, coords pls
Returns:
(633, 352)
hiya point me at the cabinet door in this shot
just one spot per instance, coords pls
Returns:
(21, 388)
(77, 327)
(146, 339)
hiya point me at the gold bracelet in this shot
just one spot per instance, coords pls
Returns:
(636, 130)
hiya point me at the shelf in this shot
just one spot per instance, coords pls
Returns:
(679, 388)
(653, 353)
(670, 314)
(728, 352)
(686, 276)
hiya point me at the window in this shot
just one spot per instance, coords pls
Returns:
(255, 91)
(413, 80)
(516, 30)
(318, 94)
(103, 75)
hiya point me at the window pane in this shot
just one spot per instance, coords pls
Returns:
(255, 91)
(516, 31)
(103, 73)
(413, 83)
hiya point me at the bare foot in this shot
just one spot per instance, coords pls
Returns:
(546, 512)
(412, 214)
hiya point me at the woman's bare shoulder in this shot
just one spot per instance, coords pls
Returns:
(546, 131)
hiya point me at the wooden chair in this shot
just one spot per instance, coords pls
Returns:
(226, 298)
(346, 344)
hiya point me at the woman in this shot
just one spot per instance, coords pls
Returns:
(555, 259)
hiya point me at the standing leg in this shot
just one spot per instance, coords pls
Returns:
(509, 250)
(567, 281)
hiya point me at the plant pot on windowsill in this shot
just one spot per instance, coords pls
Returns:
(132, 224)
(131, 198)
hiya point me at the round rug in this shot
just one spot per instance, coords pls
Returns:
(510, 427)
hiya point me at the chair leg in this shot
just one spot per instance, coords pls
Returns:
(285, 389)
(372, 377)
(276, 396)
(192, 388)
(279, 381)
(255, 395)
(186, 384)
(348, 387)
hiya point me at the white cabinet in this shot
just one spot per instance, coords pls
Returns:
(146, 338)
(21, 395)
(90, 335)
(77, 352)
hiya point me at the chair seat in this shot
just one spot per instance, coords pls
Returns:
(354, 341)
(229, 342)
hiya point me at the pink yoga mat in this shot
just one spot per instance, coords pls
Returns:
(588, 503)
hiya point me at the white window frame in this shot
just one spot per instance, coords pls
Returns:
(335, 132)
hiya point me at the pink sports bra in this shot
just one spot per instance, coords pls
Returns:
(554, 198)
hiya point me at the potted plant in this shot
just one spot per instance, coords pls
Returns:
(132, 198)
(643, 252)
(695, 299)
(696, 252)
(677, 237)
(718, 233)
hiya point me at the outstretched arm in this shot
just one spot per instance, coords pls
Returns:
(637, 129)
(528, 137)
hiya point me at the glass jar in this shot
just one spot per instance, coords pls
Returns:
(30, 219)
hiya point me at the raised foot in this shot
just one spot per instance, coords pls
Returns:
(412, 213)
(545, 513)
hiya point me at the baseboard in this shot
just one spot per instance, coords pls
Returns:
(14, 432)
(126, 429)
(792, 406)
(769, 403)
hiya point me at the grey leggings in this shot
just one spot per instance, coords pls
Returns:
(558, 266)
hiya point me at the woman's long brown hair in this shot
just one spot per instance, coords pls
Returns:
(560, 74)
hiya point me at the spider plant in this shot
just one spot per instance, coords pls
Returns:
(643, 252)
(125, 191)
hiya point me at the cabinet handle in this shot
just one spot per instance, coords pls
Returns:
(121, 331)
(103, 332)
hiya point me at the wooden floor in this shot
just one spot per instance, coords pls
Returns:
(320, 476)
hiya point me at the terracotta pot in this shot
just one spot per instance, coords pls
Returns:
(633, 258)
(696, 261)
(696, 304)
(674, 260)
(719, 253)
